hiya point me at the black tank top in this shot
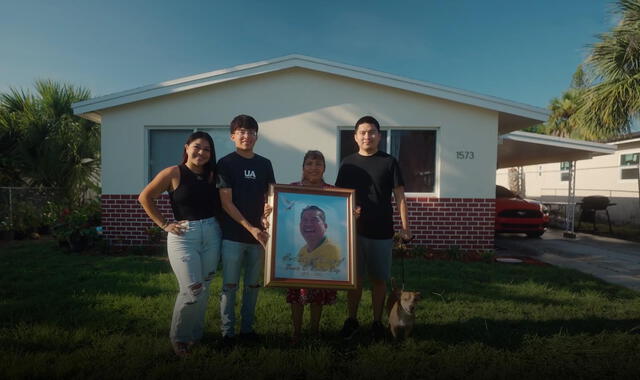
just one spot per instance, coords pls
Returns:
(195, 198)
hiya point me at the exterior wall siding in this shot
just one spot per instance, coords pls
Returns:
(437, 223)
(291, 124)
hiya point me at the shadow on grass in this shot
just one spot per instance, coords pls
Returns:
(41, 284)
(57, 302)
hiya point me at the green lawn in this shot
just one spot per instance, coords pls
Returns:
(88, 316)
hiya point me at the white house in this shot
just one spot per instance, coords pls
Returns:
(445, 139)
(612, 175)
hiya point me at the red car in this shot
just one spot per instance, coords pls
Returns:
(515, 214)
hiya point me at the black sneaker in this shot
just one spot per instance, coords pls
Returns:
(349, 328)
(377, 331)
(228, 342)
(250, 337)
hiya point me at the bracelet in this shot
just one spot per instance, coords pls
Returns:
(164, 225)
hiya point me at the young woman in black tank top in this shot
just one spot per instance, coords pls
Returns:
(194, 237)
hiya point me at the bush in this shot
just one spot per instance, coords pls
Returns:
(454, 253)
(418, 251)
(26, 218)
(155, 235)
(77, 228)
(5, 224)
(488, 256)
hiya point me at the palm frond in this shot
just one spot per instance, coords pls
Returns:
(614, 96)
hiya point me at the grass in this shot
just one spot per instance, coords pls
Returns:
(89, 316)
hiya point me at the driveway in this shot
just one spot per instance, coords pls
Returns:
(613, 260)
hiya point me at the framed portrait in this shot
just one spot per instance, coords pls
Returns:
(312, 238)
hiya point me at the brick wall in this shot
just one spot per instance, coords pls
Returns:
(440, 223)
(124, 221)
(437, 223)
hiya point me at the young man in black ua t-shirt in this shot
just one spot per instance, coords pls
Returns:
(375, 176)
(244, 179)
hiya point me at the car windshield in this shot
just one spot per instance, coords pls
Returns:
(503, 192)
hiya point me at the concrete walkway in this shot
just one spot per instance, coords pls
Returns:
(613, 260)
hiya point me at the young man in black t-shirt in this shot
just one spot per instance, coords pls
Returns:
(244, 179)
(374, 175)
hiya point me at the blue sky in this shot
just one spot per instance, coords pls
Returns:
(520, 50)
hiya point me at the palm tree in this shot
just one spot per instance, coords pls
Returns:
(611, 103)
(55, 148)
(561, 121)
(10, 135)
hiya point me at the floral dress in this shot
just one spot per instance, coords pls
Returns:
(309, 295)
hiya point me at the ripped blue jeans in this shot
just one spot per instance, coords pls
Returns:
(235, 257)
(194, 258)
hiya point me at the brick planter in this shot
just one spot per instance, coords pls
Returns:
(437, 223)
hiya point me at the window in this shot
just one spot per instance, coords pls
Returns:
(415, 151)
(166, 145)
(565, 166)
(629, 166)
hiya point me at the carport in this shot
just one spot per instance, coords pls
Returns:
(517, 149)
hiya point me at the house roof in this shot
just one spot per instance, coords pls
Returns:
(512, 115)
(626, 139)
(524, 148)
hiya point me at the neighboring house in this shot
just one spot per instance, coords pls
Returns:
(444, 138)
(613, 175)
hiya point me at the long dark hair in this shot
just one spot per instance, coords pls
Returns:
(210, 166)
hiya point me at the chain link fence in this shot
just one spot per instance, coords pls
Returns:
(26, 210)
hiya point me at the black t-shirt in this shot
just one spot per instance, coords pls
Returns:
(374, 178)
(195, 198)
(248, 179)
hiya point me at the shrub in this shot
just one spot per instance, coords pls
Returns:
(454, 253)
(26, 218)
(488, 256)
(418, 251)
(77, 228)
(155, 235)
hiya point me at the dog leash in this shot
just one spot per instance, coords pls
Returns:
(405, 242)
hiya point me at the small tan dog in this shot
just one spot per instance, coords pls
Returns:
(401, 306)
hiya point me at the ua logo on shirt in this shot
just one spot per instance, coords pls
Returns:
(249, 174)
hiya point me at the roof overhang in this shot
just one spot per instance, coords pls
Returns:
(512, 115)
(524, 148)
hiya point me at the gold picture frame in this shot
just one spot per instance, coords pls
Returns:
(311, 238)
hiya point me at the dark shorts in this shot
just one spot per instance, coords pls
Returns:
(374, 257)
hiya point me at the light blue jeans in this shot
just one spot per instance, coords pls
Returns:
(235, 256)
(194, 258)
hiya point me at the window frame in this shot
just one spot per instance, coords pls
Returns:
(436, 182)
(564, 171)
(632, 166)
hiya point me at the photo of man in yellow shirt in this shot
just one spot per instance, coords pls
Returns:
(320, 253)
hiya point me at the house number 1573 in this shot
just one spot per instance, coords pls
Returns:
(464, 155)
